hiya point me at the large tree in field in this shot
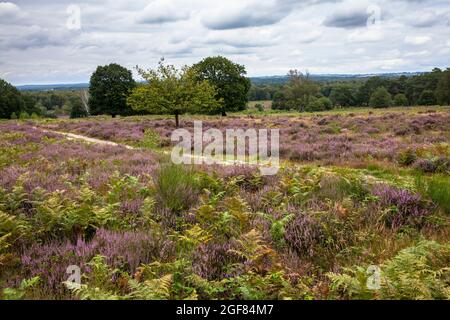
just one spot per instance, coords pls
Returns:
(300, 90)
(10, 100)
(109, 88)
(229, 79)
(443, 88)
(172, 91)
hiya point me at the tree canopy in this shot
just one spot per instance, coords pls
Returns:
(229, 79)
(109, 88)
(172, 91)
(10, 100)
(443, 88)
(381, 98)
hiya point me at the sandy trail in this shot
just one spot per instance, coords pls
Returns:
(190, 158)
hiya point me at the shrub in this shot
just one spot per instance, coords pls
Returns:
(321, 104)
(407, 157)
(303, 234)
(13, 115)
(400, 100)
(404, 207)
(381, 98)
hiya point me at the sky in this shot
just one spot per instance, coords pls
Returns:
(62, 41)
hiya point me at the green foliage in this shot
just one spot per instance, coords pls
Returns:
(320, 104)
(400, 100)
(342, 96)
(419, 272)
(10, 100)
(77, 109)
(228, 78)
(24, 115)
(152, 140)
(381, 98)
(407, 157)
(427, 98)
(26, 288)
(443, 89)
(300, 90)
(172, 91)
(109, 88)
(176, 187)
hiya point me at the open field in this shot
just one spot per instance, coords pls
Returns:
(357, 189)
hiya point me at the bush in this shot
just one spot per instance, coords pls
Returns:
(321, 104)
(381, 98)
(24, 115)
(427, 98)
(13, 115)
(176, 187)
(400, 100)
(403, 207)
(407, 157)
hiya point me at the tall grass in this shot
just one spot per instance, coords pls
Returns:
(176, 187)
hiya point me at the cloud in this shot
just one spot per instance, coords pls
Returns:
(9, 12)
(417, 40)
(161, 11)
(244, 15)
(349, 15)
(425, 19)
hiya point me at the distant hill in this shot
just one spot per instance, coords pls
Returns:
(255, 80)
(52, 87)
(333, 77)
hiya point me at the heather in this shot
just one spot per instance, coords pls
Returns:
(353, 192)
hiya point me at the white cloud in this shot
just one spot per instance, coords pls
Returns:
(267, 36)
(162, 11)
(417, 40)
(9, 12)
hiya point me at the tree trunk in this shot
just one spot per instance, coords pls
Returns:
(177, 120)
(224, 113)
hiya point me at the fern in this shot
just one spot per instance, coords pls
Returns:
(25, 288)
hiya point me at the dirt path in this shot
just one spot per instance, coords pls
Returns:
(191, 158)
(72, 136)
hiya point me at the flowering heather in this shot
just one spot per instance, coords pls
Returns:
(125, 250)
(211, 260)
(406, 208)
(332, 139)
(303, 234)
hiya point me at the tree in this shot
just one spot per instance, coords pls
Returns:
(299, 91)
(109, 88)
(443, 89)
(229, 79)
(366, 91)
(342, 96)
(381, 98)
(427, 98)
(172, 91)
(10, 100)
(77, 109)
(400, 100)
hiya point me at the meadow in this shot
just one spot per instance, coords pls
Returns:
(358, 189)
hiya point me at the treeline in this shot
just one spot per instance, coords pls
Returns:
(302, 93)
(15, 104)
(217, 85)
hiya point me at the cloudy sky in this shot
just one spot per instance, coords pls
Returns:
(63, 41)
